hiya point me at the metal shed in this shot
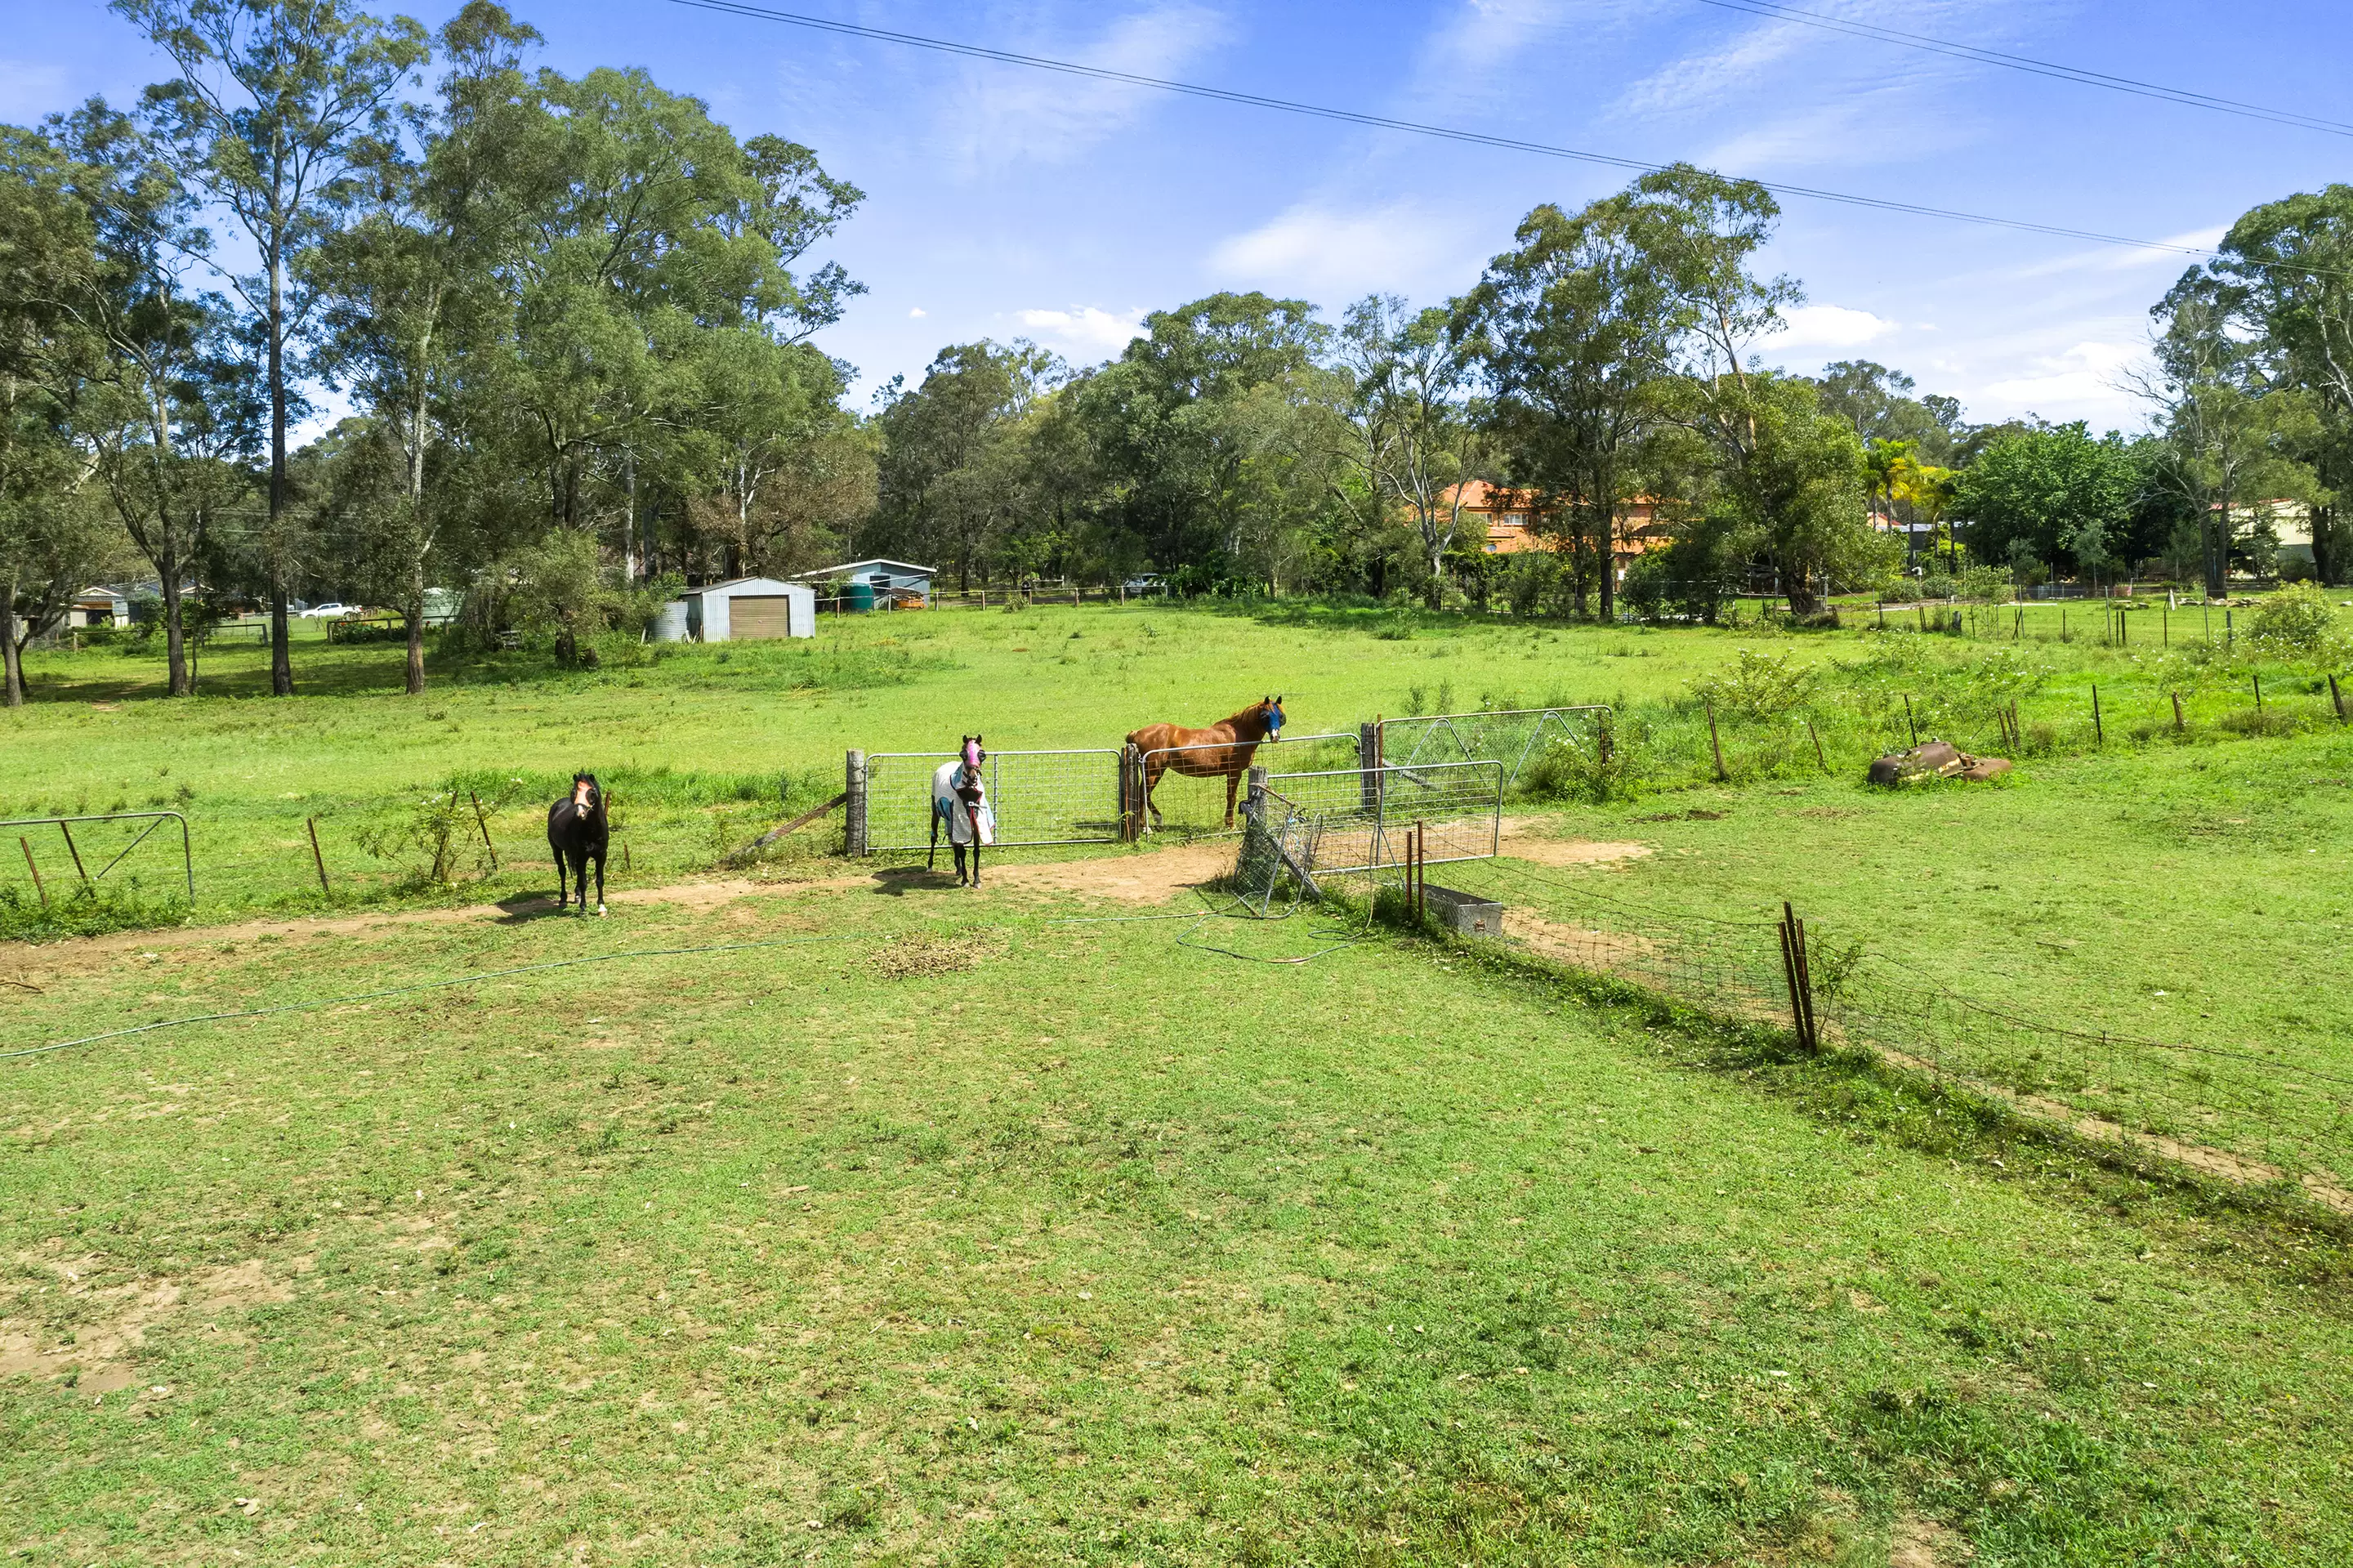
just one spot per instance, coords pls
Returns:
(899, 581)
(739, 611)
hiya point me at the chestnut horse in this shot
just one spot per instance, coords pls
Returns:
(1228, 745)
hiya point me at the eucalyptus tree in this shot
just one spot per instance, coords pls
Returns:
(1792, 474)
(2231, 420)
(410, 280)
(162, 400)
(1574, 327)
(647, 229)
(1197, 426)
(1410, 377)
(2288, 266)
(274, 101)
(949, 483)
(771, 437)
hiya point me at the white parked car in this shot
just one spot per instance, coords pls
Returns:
(330, 612)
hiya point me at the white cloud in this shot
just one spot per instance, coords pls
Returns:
(917, 313)
(1830, 326)
(1008, 114)
(2088, 373)
(1086, 332)
(1330, 253)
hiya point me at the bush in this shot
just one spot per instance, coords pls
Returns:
(1938, 585)
(2298, 622)
(439, 840)
(1758, 685)
(1986, 585)
(1568, 769)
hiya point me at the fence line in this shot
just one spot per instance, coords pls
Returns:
(1509, 736)
(2238, 1114)
(1234, 766)
(64, 825)
(1039, 798)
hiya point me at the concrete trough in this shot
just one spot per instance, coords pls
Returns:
(1464, 913)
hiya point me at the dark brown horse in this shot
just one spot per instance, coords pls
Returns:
(578, 834)
(1223, 750)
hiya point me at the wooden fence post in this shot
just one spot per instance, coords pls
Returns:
(2178, 726)
(38, 886)
(1910, 722)
(1818, 745)
(1714, 744)
(2099, 735)
(1799, 980)
(2259, 692)
(316, 858)
(2336, 699)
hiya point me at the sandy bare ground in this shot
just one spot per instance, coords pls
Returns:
(1523, 839)
(1148, 878)
(101, 1350)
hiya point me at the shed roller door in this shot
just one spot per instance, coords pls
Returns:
(759, 615)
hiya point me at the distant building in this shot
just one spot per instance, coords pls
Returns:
(742, 610)
(883, 583)
(1505, 521)
(2290, 521)
(99, 605)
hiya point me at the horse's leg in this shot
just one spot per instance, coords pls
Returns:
(1233, 781)
(1152, 783)
(600, 885)
(959, 858)
(563, 885)
(931, 855)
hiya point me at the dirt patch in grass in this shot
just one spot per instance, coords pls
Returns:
(920, 955)
(1919, 1543)
(103, 1345)
(1521, 841)
(1151, 878)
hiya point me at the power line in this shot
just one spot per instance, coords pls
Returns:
(2033, 66)
(1385, 122)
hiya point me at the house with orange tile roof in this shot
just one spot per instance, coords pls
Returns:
(1505, 521)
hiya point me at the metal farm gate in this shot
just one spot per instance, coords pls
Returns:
(1509, 736)
(1039, 797)
(1354, 820)
(1194, 803)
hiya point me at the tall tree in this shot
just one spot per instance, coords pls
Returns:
(273, 100)
(2229, 423)
(404, 285)
(165, 409)
(947, 483)
(1574, 326)
(1411, 375)
(2289, 266)
(2060, 495)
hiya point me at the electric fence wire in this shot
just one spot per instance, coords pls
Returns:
(1443, 132)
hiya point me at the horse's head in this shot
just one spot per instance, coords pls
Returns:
(1270, 712)
(973, 755)
(586, 794)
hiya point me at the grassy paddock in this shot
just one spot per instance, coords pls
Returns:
(988, 1239)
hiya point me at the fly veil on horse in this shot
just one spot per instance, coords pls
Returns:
(578, 834)
(960, 800)
(1223, 750)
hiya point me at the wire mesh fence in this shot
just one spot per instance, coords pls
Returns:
(1038, 797)
(115, 850)
(1352, 820)
(2249, 1116)
(1187, 786)
(1512, 736)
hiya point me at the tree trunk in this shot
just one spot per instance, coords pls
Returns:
(176, 639)
(281, 662)
(12, 656)
(2218, 550)
(1610, 560)
(415, 608)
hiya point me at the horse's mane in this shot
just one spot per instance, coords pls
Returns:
(1244, 712)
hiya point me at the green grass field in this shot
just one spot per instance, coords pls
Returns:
(987, 1239)
(960, 1232)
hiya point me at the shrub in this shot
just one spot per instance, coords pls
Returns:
(1758, 685)
(1938, 585)
(1986, 585)
(1563, 768)
(2298, 621)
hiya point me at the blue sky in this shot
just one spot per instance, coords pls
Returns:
(1004, 202)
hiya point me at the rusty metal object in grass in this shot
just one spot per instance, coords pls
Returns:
(1935, 760)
